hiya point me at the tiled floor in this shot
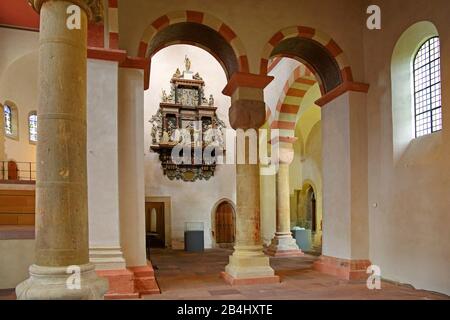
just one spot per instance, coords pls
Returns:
(194, 276)
(184, 275)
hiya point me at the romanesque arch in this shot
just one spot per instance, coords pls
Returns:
(321, 54)
(199, 29)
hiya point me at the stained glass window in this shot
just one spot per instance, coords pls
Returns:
(32, 126)
(8, 120)
(427, 88)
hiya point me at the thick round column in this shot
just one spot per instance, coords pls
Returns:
(61, 181)
(248, 264)
(283, 244)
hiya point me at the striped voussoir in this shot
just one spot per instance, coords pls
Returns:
(287, 111)
(305, 32)
(195, 17)
(113, 24)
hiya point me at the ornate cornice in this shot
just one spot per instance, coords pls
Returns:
(93, 8)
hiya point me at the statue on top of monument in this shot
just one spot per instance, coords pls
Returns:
(187, 63)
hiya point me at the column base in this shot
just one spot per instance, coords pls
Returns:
(53, 283)
(144, 280)
(343, 268)
(283, 245)
(249, 265)
(121, 284)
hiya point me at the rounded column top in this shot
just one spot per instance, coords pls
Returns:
(93, 8)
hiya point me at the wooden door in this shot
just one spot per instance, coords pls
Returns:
(224, 223)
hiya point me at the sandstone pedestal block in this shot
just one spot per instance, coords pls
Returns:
(59, 283)
(249, 265)
(343, 268)
(283, 245)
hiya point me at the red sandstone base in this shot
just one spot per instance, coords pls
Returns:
(248, 281)
(284, 253)
(144, 280)
(343, 268)
(130, 283)
(121, 284)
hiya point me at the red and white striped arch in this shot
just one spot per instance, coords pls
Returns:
(310, 33)
(113, 24)
(288, 108)
(196, 17)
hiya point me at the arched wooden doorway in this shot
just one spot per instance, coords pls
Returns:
(224, 224)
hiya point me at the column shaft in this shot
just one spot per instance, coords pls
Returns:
(247, 205)
(62, 244)
(283, 201)
(61, 181)
(283, 244)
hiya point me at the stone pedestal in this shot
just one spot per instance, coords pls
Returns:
(61, 184)
(283, 244)
(248, 264)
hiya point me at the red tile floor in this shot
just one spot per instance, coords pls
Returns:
(192, 276)
(183, 275)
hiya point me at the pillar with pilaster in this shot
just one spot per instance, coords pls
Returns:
(248, 264)
(283, 244)
(62, 269)
(345, 248)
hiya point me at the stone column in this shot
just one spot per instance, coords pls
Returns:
(248, 264)
(62, 269)
(283, 244)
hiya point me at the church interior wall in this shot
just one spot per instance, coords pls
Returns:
(18, 86)
(408, 181)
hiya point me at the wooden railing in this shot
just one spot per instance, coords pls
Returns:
(17, 172)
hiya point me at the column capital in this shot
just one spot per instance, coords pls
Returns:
(93, 8)
(247, 114)
(285, 147)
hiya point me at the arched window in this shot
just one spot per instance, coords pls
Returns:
(11, 123)
(427, 88)
(8, 120)
(32, 126)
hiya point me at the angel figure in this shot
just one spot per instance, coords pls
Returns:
(177, 73)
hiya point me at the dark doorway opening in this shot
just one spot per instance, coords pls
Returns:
(154, 225)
